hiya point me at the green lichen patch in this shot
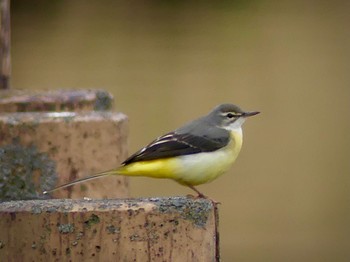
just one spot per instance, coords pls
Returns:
(104, 101)
(111, 229)
(65, 228)
(94, 219)
(197, 211)
(25, 172)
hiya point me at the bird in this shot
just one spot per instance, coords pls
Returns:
(194, 154)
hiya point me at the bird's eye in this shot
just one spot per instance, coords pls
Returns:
(230, 115)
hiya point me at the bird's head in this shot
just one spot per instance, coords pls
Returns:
(229, 116)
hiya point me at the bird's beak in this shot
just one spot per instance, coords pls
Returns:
(248, 114)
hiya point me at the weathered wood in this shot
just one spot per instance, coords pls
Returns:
(58, 100)
(155, 229)
(36, 147)
(5, 42)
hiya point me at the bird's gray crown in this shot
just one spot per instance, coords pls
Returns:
(225, 108)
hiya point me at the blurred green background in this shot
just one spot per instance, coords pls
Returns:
(287, 198)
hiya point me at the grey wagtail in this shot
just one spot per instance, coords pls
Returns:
(194, 154)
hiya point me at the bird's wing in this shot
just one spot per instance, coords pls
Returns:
(175, 144)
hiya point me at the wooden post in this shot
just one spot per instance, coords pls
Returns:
(167, 229)
(83, 100)
(5, 40)
(41, 150)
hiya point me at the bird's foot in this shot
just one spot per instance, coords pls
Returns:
(204, 197)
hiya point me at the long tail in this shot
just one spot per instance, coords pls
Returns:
(81, 180)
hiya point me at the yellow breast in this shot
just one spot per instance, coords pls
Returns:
(204, 167)
(191, 169)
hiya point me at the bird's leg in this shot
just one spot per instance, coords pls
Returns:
(201, 195)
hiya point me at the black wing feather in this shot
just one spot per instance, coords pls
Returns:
(180, 143)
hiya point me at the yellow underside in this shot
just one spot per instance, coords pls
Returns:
(162, 168)
(192, 169)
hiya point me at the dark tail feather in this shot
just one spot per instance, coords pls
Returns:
(81, 180)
